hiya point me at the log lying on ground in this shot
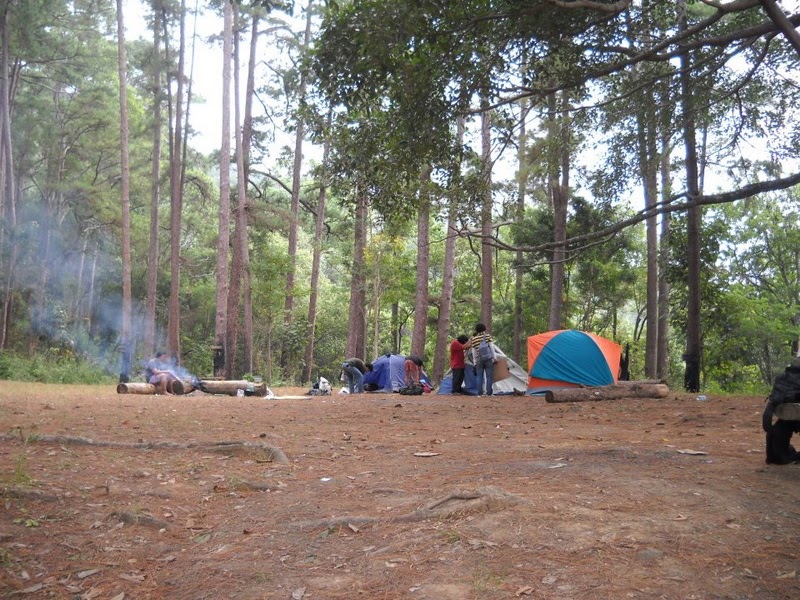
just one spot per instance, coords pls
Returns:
(231, 388)
(788, 411)
(179, 387)
(136, 388)
(629, 389)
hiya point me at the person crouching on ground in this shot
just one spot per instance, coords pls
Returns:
(355, 368)
(413, 369)
(457, 365)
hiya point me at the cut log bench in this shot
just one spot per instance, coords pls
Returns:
(617, 391)
(181, 387)
(788, 411)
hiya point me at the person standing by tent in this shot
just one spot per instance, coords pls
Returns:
(457, 348)
(483, 357)
(355, 368)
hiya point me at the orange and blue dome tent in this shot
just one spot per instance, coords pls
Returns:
(571, 358)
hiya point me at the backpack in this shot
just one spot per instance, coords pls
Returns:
(411, 390)
(485, 350)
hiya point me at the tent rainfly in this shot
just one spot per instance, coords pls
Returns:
(571, 358)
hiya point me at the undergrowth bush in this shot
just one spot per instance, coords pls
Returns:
(52, 367)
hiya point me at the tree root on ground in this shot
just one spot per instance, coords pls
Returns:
(130, 518)
(456, 503)
(257, 451)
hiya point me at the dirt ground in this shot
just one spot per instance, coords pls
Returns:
(109, 496)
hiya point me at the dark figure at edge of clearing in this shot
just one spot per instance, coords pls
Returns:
(457, 365)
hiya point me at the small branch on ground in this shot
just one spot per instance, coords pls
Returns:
(257, 451)
(457, 502)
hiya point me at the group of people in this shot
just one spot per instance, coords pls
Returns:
(355, 369)
(478, 350)
(481, 353)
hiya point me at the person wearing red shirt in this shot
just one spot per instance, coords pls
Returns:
(457, 348)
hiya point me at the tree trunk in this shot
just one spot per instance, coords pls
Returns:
(692, 356)
(519, 216)
(176, 203)
(288, 356)
(486, 216)
(559, 193)
(223, 239)
(423, 266)
(662, 366)
(441, 355)
(8, 214)
(240, 229)
(126, 342)
(648, 166)
(247, 137)
(356, 345)
(155, 191)
(319, 232)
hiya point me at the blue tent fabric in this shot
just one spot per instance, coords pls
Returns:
(568, 357)
(388, 373)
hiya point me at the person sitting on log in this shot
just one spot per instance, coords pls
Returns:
(785, 389)
(159, 374)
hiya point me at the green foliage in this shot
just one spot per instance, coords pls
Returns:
(55, 365)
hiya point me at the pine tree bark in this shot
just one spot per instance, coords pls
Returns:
(288, 355)
(176, 202)
(240, 231)
(519, 216)
(692, 356)
(319, 232)
(8, 213)
(155, 190)
(441, 355)
(223, 238)
(559, 195)
(125, 185)
(486, 216)
(356, 345)
(423, 266)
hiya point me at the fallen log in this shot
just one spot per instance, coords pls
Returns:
(178, 387)
(788, 411)
(136, 388)
(607, 392)
(231, 388)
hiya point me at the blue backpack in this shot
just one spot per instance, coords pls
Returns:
(485, 350)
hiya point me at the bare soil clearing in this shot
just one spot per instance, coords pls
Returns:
(387, 496)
